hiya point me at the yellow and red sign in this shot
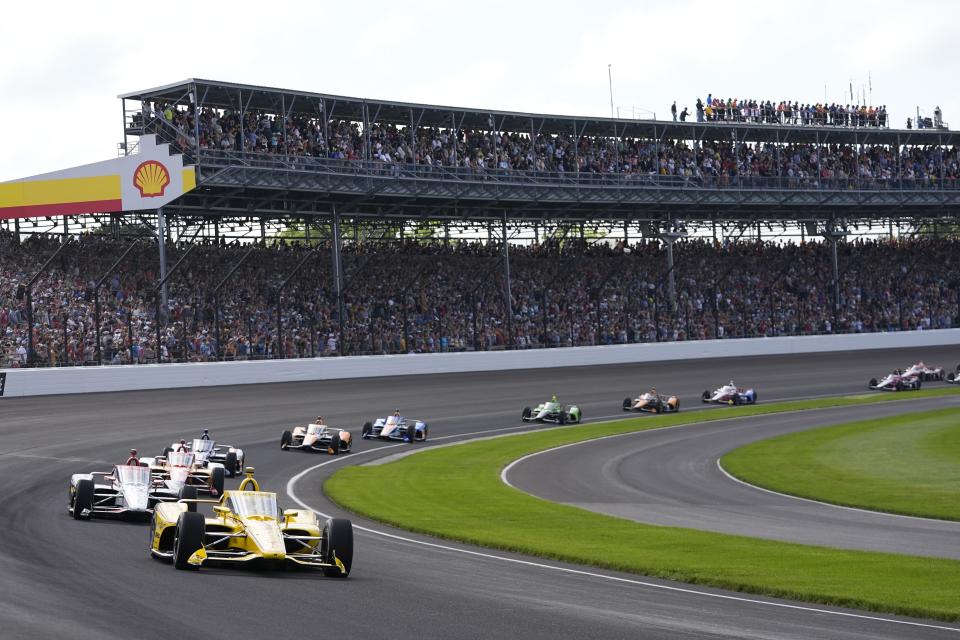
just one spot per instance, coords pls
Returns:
(146, 180)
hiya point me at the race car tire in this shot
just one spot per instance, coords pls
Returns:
(367, 430)
(627, 403)
(338, 539)
(335, 444)
(755, 396)
(899, 386)
(562, 417)
(188, 539)
(737, 399)
(918, 384)
(285, 439)
(951, 377)
(676, 407)
(526, 413)
(412, 435)
(82, 499)
(705, 396)
(425, 430)
(216, 481)
(230, 463)
(188, 493)
(872, 383)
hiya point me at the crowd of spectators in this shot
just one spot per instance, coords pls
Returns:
(789, 113)
(712, 162)
(429, 296)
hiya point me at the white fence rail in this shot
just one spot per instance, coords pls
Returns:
(35, 382)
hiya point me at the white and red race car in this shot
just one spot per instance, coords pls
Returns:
(730, 394)
(895, 381)
(924, 372)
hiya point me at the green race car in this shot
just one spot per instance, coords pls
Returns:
(552, 411)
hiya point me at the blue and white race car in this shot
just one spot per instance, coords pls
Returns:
(730, 394)
(396, 427)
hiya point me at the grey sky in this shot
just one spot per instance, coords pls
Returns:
(62, 64)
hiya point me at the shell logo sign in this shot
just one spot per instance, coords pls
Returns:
(146, 180)
(151, 178)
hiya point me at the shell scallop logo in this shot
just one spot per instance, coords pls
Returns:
(151, 179)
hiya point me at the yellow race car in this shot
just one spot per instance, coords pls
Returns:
(247, 526)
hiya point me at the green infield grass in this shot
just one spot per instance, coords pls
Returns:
(456, 493)
(908, 464)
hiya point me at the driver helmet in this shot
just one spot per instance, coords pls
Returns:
(731, 384)
(133, 452)
(397, 413)
(653, 390)
(206, 432)
(319, 420)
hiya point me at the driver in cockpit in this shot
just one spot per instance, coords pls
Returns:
(133, 460)
(206, 435)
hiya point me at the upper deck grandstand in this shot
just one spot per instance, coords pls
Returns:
(275, 150)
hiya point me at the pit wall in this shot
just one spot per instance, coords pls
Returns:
(37, 382)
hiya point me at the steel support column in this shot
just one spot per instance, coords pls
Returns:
(161, 286)
(162, 249)
(96, 295)
(507, 296)
(338, 275)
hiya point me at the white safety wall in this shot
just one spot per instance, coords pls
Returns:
(32, 382)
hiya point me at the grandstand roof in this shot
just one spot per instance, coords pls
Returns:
(217, 94)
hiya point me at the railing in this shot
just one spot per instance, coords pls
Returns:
(408, 171)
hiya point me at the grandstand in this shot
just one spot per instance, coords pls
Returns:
(409, 227)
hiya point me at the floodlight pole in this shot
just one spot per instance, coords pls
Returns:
(669, 237)
(833, 236)
(161, 286)
(96, 294)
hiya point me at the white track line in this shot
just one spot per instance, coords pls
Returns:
(828, 504)
(590, 574)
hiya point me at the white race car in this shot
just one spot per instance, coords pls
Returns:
(208, 453)
(180, 469)
(895, 381)
(730, 394)
(127, 490)
(924, 372)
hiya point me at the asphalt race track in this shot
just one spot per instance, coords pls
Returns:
(671, 477)
(63, 578)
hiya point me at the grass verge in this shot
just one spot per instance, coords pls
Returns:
(907, 464)
(456, 493)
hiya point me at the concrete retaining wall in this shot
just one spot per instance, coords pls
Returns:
(32, 382)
